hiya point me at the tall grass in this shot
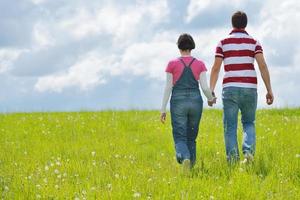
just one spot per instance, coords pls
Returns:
(130, 155)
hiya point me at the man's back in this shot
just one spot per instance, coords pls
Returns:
(238, 51)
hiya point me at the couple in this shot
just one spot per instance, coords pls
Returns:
(184, 74)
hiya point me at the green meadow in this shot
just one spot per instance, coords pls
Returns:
(130, 155)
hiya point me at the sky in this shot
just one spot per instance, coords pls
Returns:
(73, 55)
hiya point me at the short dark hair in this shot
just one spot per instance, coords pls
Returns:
(239, 20)
(185, 42)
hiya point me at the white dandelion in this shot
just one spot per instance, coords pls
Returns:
(136, 195)
(93, 188)
(109, 186)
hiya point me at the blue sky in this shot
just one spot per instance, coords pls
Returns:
(62, 55)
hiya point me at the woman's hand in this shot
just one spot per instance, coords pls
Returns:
(163, 117)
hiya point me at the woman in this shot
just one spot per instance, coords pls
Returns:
(183, 77)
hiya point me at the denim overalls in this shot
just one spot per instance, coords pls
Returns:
(186, 109)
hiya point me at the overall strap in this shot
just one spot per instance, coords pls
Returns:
(189, 65)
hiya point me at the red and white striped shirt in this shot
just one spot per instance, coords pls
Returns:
(238, 51)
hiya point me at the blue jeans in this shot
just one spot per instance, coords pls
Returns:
(235, 99)
(186, 111)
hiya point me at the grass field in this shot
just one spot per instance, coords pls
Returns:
(130, 155)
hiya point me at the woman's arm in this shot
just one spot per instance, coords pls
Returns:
(167, 92)
(204, 86)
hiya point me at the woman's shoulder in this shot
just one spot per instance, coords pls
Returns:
(174, 60)
(199, 65)
(198, 61)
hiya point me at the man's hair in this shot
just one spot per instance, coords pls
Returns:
(239, 20)
(185, 42)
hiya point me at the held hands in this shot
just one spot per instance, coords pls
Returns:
(163, 117)
(213, 101)
(269, 98)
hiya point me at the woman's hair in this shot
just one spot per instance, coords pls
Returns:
(185, 42)
(239, 20)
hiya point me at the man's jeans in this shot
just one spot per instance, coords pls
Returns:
(235, 99)
(186, 111)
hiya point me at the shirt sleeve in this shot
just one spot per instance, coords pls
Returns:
(219, 50)
(167, 92)
(203, 67)
(204, 86)
(169, 68)
(258, 48)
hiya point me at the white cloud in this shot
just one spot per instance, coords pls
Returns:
(87, 73)
(140, 59)
(7, 57)
(195, 7)
(148, 59)
(121, 22)
(38, 1)
(42, 36)
(285, 83)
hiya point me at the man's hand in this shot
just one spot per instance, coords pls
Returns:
(269, 98)
(163, 117)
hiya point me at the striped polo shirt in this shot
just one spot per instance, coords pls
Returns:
(238, 51)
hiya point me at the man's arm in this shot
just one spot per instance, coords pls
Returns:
(259, 57)
(215, 72)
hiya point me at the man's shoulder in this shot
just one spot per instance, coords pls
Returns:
(240, 38)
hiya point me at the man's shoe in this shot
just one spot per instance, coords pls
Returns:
(248, 159)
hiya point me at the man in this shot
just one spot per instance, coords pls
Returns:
(238, 52)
